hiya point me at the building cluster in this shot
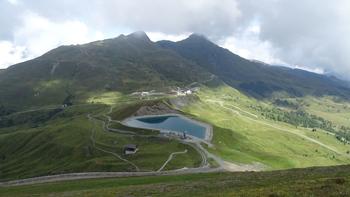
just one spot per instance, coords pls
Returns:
(184, 91)
(177, 91)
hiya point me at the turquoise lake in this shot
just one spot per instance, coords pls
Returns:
(170, 123)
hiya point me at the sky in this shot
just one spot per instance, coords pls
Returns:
(307, 34)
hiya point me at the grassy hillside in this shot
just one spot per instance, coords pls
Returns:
(243, 135)
(330, 108)
(325, 181)
(329, 113)
(69, 142)
(49, 141)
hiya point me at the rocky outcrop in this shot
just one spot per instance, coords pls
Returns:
(155, 109)
(171, 106)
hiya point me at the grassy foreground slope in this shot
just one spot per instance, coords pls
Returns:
(322, 181)
(242, 135)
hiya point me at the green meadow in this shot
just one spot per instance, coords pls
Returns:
(242, 135)
(46, 142)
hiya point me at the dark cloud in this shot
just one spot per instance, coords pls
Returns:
(172, 17)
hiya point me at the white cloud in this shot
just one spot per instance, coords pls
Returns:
(156, 36)
(246, 43)
(14, 2)
(314, 70)
(10, 53)
(38, 35)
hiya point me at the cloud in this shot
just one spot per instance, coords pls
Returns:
(315, 70)
(312, 34)
(40, 34)
(166, 16)
(247, 44)
(37, 35)
(156, 36)
(10, 53)
(14, 2)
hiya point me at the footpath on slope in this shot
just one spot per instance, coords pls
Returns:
(170, 158)
(93, 140)
(295, 132)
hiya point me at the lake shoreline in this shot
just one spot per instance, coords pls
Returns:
(208, 128)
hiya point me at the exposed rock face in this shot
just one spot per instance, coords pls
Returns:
(159, 108)
(156, 109)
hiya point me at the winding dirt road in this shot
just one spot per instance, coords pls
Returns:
(196, 144)
(93, 140)
(170, 158)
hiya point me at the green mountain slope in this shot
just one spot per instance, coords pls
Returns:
(134, 63)
(124, 64)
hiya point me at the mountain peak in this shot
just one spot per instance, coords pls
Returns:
(139, 35)
(196, 36)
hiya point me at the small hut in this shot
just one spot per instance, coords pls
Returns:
(130, 149)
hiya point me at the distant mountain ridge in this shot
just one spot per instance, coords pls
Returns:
(133, 62)
(255, 78)
(125, 64)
